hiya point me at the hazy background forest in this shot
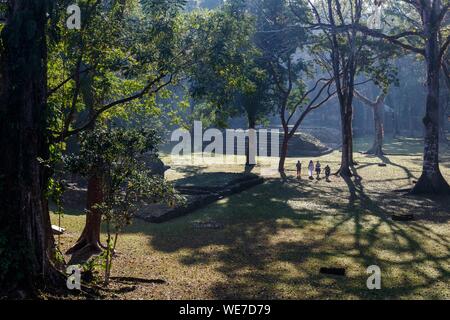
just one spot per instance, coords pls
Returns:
(406, 98)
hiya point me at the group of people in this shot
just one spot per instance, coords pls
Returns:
(311, 168)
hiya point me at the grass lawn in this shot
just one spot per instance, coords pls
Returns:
(276, 237)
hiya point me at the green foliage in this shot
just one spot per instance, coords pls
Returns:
(162, 6)
(103, 147)
(227, 79)
(115, 154)
(282, 42)
(373, 58)
(123, 48)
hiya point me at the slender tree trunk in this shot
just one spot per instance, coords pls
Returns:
(347, 141)
(26, 239)
(350, 136)
(283, 153)
(377, 147)
(89, 241)
(251, 146)
(431, 180)
(344, 69)
(284, 144)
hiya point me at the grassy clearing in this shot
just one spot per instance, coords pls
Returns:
(277, 236)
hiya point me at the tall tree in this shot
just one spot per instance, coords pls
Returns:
(26, 240)
(282, 44)
(345, 49)
(118, 62)
(423, 36)
(228, 76)
(377, 107)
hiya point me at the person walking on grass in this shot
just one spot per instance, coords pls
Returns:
(299, 170)
(327, 173)
(311, 169)
(318, 170)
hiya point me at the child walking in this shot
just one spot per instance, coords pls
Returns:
(318, 170)
(311, 169)
(327, 172)
(299, 170)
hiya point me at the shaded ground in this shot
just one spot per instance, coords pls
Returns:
(197, 194)
(275, 237)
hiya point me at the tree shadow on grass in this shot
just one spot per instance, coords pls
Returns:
(402, 238)
(372, 232)
(278, 235)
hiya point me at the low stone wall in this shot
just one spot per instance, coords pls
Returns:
(197, 197)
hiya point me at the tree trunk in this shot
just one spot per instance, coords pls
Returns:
(251, 146)
(431, 180)
(347, 141)
(89, 241)
(378, 117)
(26, 239)
(283, 153)
(350, 137)
(344, 71)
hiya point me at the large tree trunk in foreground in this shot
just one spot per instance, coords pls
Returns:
(89, 241)
(431, 180)
(26, 239)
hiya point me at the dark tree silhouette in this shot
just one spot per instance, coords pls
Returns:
(27, 244)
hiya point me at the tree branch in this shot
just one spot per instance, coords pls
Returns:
(146, 90)
(59, 86)
(364, 99)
